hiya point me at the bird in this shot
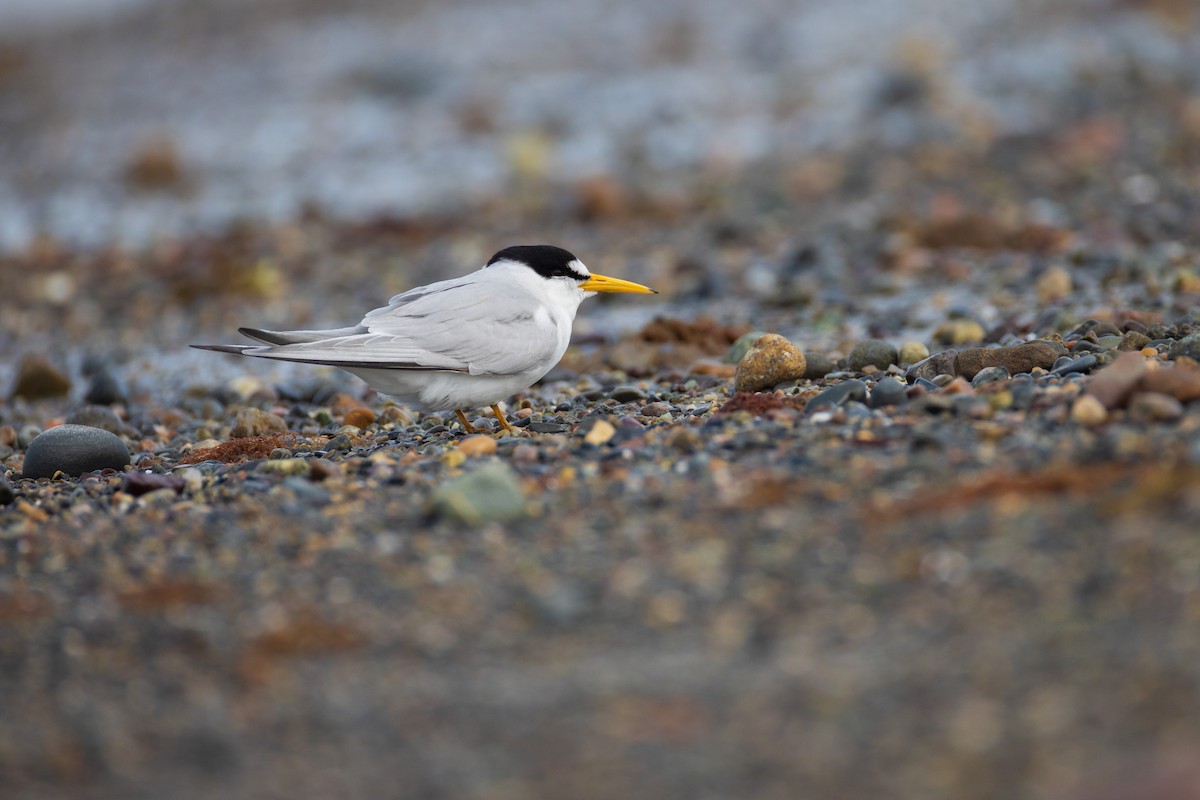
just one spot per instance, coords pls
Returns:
(456, 344)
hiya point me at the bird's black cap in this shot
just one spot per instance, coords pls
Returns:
(544, 259)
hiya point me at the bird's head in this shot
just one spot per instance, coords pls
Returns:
(561, 269)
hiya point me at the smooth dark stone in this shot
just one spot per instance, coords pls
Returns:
(627, 394)
(74, 450)
(1081, 364)
(888, 392)
(7, 495)
(103, 389)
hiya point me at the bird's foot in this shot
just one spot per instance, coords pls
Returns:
(466, 423)
(500, 416)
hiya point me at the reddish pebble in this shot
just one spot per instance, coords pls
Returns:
(359, 417)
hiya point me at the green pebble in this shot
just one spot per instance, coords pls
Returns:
(491, 493)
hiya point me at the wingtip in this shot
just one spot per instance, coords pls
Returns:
(235, 349)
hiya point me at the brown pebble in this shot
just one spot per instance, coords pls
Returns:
(359, 417)
(37, 378)
(770, 361)
(155, 165)
(1016, 359)
(1114, 384)
(477, 445)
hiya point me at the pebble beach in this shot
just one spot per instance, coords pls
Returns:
(893, 490)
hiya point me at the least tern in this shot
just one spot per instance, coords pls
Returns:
(462, 343)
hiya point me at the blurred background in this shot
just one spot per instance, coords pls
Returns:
(132, 121)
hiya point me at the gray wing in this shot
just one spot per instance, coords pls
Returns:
(471, 324)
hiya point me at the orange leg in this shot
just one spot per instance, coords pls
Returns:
(466, 423)
(500, 416)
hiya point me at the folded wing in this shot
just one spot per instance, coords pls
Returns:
(464, 325)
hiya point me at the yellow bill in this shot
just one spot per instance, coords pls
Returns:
(601, 283)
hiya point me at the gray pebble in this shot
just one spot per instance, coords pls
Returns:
(888, 392)
(73, 450)
(817, 365)
(1188, 347)
(7, 495)
(872, 353)
(339, 442)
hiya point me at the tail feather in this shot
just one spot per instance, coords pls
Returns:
(298, 337)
